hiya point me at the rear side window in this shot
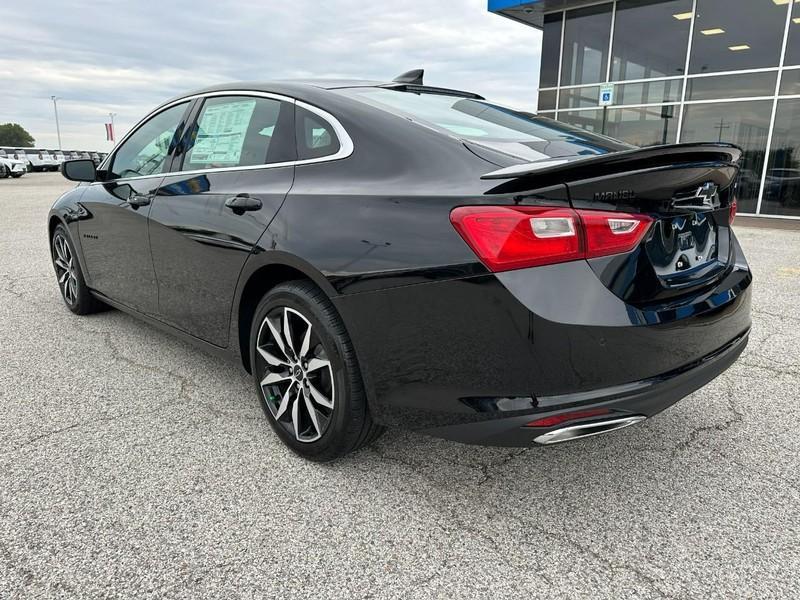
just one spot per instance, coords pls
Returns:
(240, 131)
(315, 136)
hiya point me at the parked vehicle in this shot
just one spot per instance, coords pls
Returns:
(36, 159)
(59, 156)
(49, 159)
(11, 167)
(394, 254)
(20, 154)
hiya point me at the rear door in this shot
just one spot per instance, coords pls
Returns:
(230, 176)
(114, 234)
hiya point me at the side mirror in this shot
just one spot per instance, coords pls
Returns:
(82, 169)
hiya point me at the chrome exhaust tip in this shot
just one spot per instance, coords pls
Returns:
(583, 430)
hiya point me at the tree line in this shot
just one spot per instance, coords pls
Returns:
(14, 134)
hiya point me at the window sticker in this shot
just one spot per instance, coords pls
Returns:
(221, 133)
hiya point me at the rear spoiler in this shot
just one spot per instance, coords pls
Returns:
(585, 167)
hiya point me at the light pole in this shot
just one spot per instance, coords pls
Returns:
(55, 110)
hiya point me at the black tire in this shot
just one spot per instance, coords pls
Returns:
(337, 430)
(4, 172)
(16, 175)
(69, 276)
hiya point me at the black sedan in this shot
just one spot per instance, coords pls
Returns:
(394, 254)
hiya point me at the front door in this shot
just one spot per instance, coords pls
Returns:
(114, 236)
(226, 186)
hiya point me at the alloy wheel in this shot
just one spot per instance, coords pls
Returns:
(65, 269)
(296, 374)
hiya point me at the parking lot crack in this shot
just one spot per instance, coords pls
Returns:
(487, 468)
(185, 384)
(737, 417)
(598, 557)
(771, 369)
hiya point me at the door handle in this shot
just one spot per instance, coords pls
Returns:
(137, 200)
(243, 202)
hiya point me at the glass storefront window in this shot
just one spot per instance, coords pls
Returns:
(579, 97)
(742, 123)
(793, 44)
(790, 82)
(731, 86)
(590, 120)
(741, 35)
(782, 184)
(551, 50)
(649, 41)
(587, 32)
(547, 100)
(646, 126)
(648, 92)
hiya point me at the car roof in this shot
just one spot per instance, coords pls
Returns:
(288, 87)
(307, 89)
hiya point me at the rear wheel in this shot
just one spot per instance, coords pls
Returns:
(71, 283)
(306, 374)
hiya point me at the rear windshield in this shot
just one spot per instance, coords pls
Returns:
(489, 124)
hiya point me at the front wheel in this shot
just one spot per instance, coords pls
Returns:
(306, 374)
(71, 283)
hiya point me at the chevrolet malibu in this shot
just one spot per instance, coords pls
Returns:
(394, 254)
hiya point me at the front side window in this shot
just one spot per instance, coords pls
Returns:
(145, 151)
(239, 131)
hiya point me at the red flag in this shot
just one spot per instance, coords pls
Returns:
(109, 132)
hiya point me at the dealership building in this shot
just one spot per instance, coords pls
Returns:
(666, 71)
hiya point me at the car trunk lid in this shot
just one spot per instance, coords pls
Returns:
(687, 189)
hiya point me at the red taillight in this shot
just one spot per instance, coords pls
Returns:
(612, 233)
(569, 416)
(515, 237)
(733, 211)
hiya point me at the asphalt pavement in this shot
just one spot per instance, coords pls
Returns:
(135, 466)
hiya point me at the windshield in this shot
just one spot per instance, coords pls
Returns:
(523, 134)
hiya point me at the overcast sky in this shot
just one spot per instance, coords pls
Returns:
(102, 56)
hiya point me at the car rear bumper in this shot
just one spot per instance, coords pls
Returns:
(644, 398)
(476, 358)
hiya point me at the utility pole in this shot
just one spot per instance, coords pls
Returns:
(55, 110)
(721, 126)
